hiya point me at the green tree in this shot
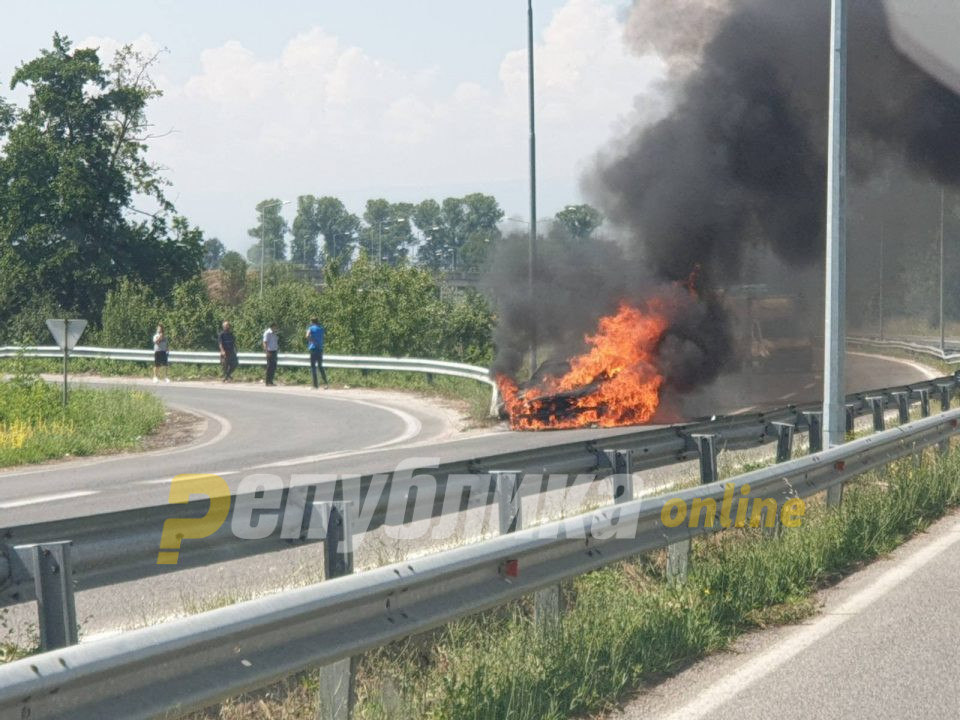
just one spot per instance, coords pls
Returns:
(578, 222)
(234, 281)
(130, 315)
(387, 237)
(326, 217)
(192, 320)
(459, 232)
(270, 231)
(72, 164)
(213, 251)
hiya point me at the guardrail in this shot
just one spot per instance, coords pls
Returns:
(931, 348)
(184, 665)
(351, 362)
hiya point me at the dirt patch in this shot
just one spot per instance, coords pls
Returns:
(177, 428)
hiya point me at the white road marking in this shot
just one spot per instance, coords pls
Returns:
(726, 689)
(225, 429)
(788, 396)
(166, 480)
(46, 498)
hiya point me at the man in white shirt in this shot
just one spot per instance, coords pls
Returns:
(271, 343)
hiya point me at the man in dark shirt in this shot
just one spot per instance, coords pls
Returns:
(228, 351)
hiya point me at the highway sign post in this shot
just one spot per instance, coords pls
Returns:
(66, 333)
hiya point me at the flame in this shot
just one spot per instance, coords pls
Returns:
(614, 383)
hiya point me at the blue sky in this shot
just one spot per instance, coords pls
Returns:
(404, 100)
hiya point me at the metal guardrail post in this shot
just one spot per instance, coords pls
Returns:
(336, 694)
(903, 406)
(546, 602)
(678, 560)
(815, 431)
(52, 570)
(851, 416)
(877, 407)
(924, 395)
(621, 461)
(945, 390)
(508, 500)
(707, 447)
(784, 440)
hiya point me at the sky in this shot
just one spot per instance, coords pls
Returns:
(372, 98)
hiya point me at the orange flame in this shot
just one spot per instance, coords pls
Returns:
(614, 383)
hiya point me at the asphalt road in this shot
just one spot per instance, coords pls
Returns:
(886, 645)
(296, 430)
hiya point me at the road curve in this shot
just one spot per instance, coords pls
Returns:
(291, 431)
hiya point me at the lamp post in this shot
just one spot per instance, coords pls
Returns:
(532, 251)
(263, 235)
(834, 411)
(942, 338)
(380, 238)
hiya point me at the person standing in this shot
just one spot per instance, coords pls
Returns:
(228, 351)
(271, 344)
(315, 337)
(160, 357)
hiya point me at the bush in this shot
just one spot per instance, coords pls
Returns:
(130, 316)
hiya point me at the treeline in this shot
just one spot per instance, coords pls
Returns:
(459, 233)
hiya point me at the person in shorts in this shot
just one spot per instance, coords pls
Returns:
(161, 347)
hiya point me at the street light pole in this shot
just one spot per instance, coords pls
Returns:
(883, 233)
(532, 251)
(834, 410)
(263, 236)
(942, 330)
(380, 238)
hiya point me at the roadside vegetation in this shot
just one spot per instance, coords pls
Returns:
(627, 626)
(34, 425)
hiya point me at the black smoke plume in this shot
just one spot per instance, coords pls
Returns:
(734, 175)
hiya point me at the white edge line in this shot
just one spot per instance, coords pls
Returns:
(727, 688)
(62, 464)
(46, 498)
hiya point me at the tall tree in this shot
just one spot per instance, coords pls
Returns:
(213, 251)
(72, 164)
(325, 217)
(578, 222)
(480, 230)
(388, 236)
(270, 231)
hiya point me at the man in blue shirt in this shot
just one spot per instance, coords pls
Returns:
(315, 335)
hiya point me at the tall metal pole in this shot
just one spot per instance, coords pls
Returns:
(263, 240)
(883, 233)
(942, 344)
(834, 412)
(533, 197)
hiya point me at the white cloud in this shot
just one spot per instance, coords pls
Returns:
(323, 117)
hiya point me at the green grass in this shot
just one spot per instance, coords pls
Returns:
(34, 425)
(627, 626)
(474, 395)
